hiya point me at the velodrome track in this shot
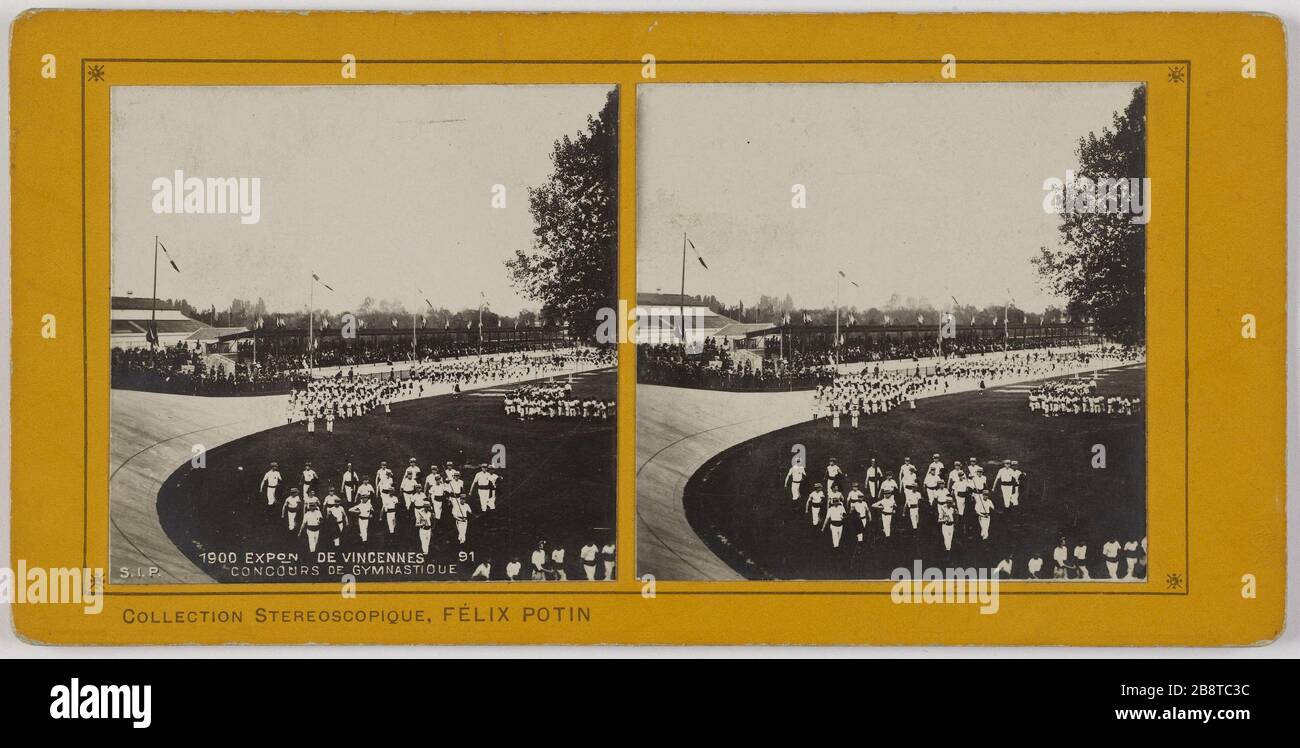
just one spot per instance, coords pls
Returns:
(151, 435)
(678, 431)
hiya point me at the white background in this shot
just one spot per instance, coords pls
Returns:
(1287, 645)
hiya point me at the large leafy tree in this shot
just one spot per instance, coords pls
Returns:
(1100, 265)
(570, 269)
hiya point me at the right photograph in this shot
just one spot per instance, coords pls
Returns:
(887, 330)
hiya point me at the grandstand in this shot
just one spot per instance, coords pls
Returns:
(129, 322)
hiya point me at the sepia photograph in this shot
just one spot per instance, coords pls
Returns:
(886, 331)
(353, 333)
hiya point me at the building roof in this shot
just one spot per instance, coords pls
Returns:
(208, 334)
(738, 329)
(133, 302)
(165, 326)
(667, 299)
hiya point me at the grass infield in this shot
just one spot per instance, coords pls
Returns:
(558, 484)
(737, 504)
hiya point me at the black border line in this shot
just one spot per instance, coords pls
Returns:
(1186, 590)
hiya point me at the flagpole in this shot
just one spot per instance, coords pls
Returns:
(153, 313)
(836, 342)
(311, 289)
(414, 342)
(681, 300)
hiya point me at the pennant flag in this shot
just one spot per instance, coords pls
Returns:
(448, 325)
(972, 320)
(394, 321)
(807, 318)
(697, 254)
(426, 300)
(852, 320)
(845, 277)
(886, 319)
(151, 333)
(279, 322)
(469, 325)
(168, 256)
(920, 320)
(316, 278)
(516, 323)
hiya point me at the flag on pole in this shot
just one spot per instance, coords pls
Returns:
(697, 254)
(448, 325)
(394, 323)
(168, 256)
(845, 277)
(852, 320)
(151, 333)
(316, 278)
(279, 321)
(886, 320)
(920, 320)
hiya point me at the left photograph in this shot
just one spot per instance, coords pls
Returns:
(353, 333)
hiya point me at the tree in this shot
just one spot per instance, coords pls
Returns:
(1100, 267)
(570, 268)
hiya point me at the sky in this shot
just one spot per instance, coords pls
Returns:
(928, 191)
(379, 190)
